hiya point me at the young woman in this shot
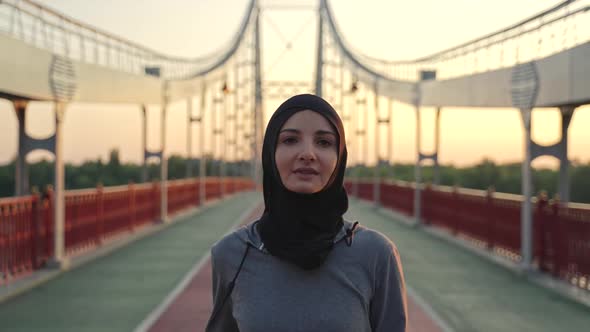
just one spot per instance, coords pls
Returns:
(301, 266)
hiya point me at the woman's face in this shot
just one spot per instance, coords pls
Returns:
(307, 152)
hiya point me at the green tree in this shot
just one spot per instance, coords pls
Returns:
(580, 183)
(505, 178)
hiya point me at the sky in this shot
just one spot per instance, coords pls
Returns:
(388, 29)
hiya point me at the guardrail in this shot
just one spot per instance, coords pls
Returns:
(59, 34)
(561, 232)
(556, 29)
(92, 217)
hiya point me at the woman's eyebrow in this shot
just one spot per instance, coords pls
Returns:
(325, 132)
(297, 131)
(290, 130)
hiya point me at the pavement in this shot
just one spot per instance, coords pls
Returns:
(117, 291)
(469, 293)
(162, 283)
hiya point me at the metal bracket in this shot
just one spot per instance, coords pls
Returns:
(554, 150)
(149, 154)
(47, 144)
(427, 156)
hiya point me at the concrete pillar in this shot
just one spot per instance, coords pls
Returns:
(319, 74)
(223, 137)
(341, 95)
(258, 107)
(215, 129)
(144, 170)
(418, 169)
(163, 160)
(189, 138)
(21, 172)
(59, 260)
(365, 130)
(203, 158)
(377, 173)
(390, 137)
(437, 147)
(567, 113)
(527, 192)
(356, 119)
(238, 127)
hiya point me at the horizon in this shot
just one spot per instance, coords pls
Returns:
(467, 135)
(150, 161)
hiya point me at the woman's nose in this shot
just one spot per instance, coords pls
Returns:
(307, 152)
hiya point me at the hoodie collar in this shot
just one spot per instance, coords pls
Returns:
(249, 234)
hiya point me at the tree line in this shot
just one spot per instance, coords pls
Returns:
(503, 178)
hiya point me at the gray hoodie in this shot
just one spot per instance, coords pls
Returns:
(359, 288)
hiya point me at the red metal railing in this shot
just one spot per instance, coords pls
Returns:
(91, 216)
(492, 220)
(562, 241)
(25, 234)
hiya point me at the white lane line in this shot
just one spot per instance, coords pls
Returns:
(428, 309)
(152, 318)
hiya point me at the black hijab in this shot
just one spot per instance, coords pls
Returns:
(296, 227)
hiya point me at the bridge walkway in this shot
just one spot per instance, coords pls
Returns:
(137, 286)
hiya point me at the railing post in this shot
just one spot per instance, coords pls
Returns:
(36, 214)
(558, 240)
(426, 211)
(155, 201)
(539, 228)
(72, 228)
(131, 207)
(3, 251)
(99, 214)
(10, 240)
(454, 224)
(197, 185)
(491, 220)
(49, 224)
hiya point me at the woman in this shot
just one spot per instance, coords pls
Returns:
(301, 267)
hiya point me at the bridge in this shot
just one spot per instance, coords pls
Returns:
(53, 239)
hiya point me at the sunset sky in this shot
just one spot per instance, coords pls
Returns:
(381, 28)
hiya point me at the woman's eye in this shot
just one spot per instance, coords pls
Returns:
(325, 142)
(289, 140)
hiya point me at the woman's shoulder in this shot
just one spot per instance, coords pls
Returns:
(372, 241)
(230, 243)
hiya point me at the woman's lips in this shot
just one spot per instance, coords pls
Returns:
(306, 171)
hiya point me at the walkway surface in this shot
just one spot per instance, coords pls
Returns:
(468, 292)
(116, 292)
(127, 288)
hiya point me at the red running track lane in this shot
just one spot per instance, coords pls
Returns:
(190, 311)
